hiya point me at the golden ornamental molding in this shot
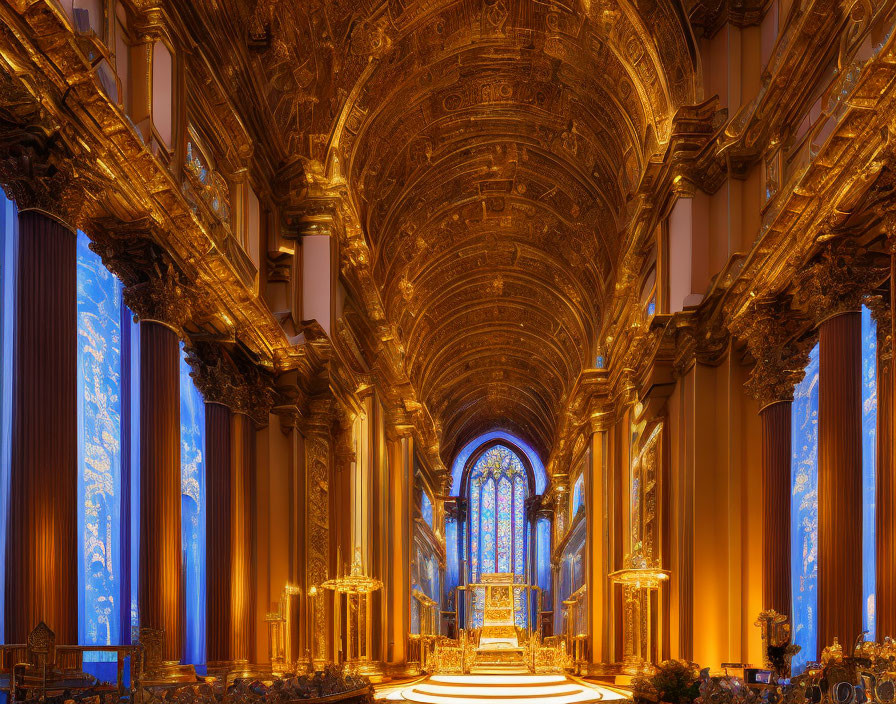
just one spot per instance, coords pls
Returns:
(40, 174)
(771, 328)
(320, 417)
(243, 388)
(882, 313)
(838, 279)
(163, 299)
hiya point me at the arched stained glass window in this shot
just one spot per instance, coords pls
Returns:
(498, 491)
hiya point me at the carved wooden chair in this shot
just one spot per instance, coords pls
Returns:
(40, 668)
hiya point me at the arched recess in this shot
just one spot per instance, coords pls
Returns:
(477, 446)
(494, 480)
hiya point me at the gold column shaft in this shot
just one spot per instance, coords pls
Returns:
(242, 595)
(161, 587)
(42, 557)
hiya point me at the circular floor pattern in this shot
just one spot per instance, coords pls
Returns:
(504, 689)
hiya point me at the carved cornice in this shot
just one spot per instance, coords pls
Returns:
(709, 16)
(770, 329)
(243, 388)
(697, 340)
(691, 154)
(398, 423)
(838, 278)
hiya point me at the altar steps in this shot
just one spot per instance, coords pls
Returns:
(504, 689)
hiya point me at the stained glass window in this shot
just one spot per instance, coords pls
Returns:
(578, 494)
(543, 548)
(869, 478)
(505, 524)
(487, 527)
(498, 491)
(108, 477)
(192, 449)
(475, 506)
(99, 451)
(804, 513)
(8, 257)
(519, 524)
(426, 508)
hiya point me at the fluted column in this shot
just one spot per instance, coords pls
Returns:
(833, 286)
(242, 605)
(769, 327)
(218, 495)
(51, 188)
(400, 452)
(885, 500)
(238, 398)
(840, 481)
(160, 591)
(596, 550)
(41, 562)
(776, 487)
(162, 306)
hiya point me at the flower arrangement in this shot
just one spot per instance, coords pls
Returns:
(673, 681)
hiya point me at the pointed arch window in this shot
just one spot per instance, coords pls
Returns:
(498, 492)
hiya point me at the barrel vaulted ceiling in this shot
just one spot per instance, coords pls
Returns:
(490, 149)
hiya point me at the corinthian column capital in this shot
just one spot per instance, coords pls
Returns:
(241, 387)
(837, 280)
(41, 172)
(163, 299)
(771, 330)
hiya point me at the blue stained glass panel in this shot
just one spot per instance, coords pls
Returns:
(192, 457)
(132, 370)
(99, 451)
(499, 487)
(475, 501)
(519, 607)
(869, 470)
(804, 514)
(578, 494)
(505, 525)
(452, 564)
(415, 614)
(426, 508)
(487, 530)
(8, 259)
(519, 525)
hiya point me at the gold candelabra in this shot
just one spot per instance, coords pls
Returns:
(638, 579)
(357, 588)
